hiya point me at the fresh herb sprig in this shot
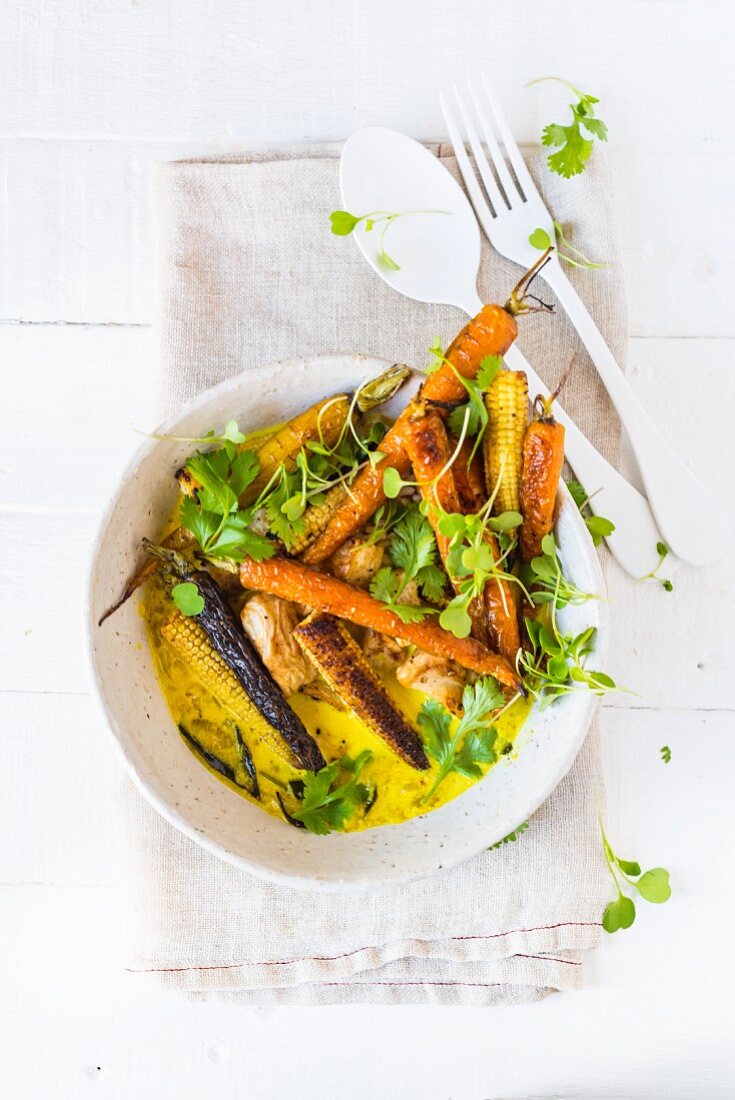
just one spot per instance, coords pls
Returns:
(665, 754)
(663, 552)
(546, 582)
(473, 743)
(574, 147)
(540, 239)
(319, 468)
(324, 803)
(213, 514)
(412, 550)
(512, 837)
(651, 885)
(556, 664)
(598, 526)
(471, 561)
(230, 438)
(344, 223)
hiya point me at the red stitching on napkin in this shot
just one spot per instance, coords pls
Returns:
(548, 958)
(357, 950)
(479, 985)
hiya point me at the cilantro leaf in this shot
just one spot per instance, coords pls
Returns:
(326, 805)
(385, 585)
(412, 549)
(432, 582)
(473, 743)
(237, 541)
(412, 545)
(489, 367)
(203, 525)
(574, 147)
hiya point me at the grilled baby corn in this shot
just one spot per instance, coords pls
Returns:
(191, 644)
(507, 405)
(343, 665)
(316, 517)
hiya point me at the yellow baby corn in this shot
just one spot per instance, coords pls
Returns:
(193, 647)
(507, 405)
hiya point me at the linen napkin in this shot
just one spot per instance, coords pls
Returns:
(248, 272)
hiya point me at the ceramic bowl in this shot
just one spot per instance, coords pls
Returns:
(185, 793)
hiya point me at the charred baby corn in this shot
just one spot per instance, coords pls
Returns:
(345, 668)
(316, 517)
(192, 645)
(507, 406)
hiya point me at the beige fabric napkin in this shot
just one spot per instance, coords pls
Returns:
(249, 273)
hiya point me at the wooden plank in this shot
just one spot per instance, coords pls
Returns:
(168, 70)
(56, 816)
(81, 235)
(89, 387)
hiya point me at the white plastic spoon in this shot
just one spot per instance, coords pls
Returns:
(438, 254)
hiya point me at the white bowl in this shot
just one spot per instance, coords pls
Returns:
(185, 793)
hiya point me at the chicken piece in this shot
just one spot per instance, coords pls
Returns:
(357, 561)
(437, 677)
(269, 623)
(383, 653)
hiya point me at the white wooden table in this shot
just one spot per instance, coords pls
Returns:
(93, 93)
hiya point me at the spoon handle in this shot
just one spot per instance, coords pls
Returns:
(633, 542)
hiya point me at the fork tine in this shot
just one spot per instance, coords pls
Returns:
(514, 154)
(494, 193)
(482, 210)
(509, 185)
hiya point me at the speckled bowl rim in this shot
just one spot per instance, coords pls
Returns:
(118, 736)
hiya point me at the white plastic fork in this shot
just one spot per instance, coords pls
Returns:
(509, 208)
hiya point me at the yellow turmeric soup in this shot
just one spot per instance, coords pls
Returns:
(400, 788)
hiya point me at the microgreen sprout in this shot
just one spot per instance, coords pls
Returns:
(471, 560)
(540, 239)
(344, 223)
(546, 581)
(230, 438)
(556, 665)
(599, 527)
(652, 886)
(512, 837)
(188, 598)
(663, 552)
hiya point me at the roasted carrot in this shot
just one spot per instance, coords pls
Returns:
(292, 580)
(427, 446)
(491, 332)
(543, 458)
(179, 539)
(501, 611)
(429, 450)
(468, 477)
